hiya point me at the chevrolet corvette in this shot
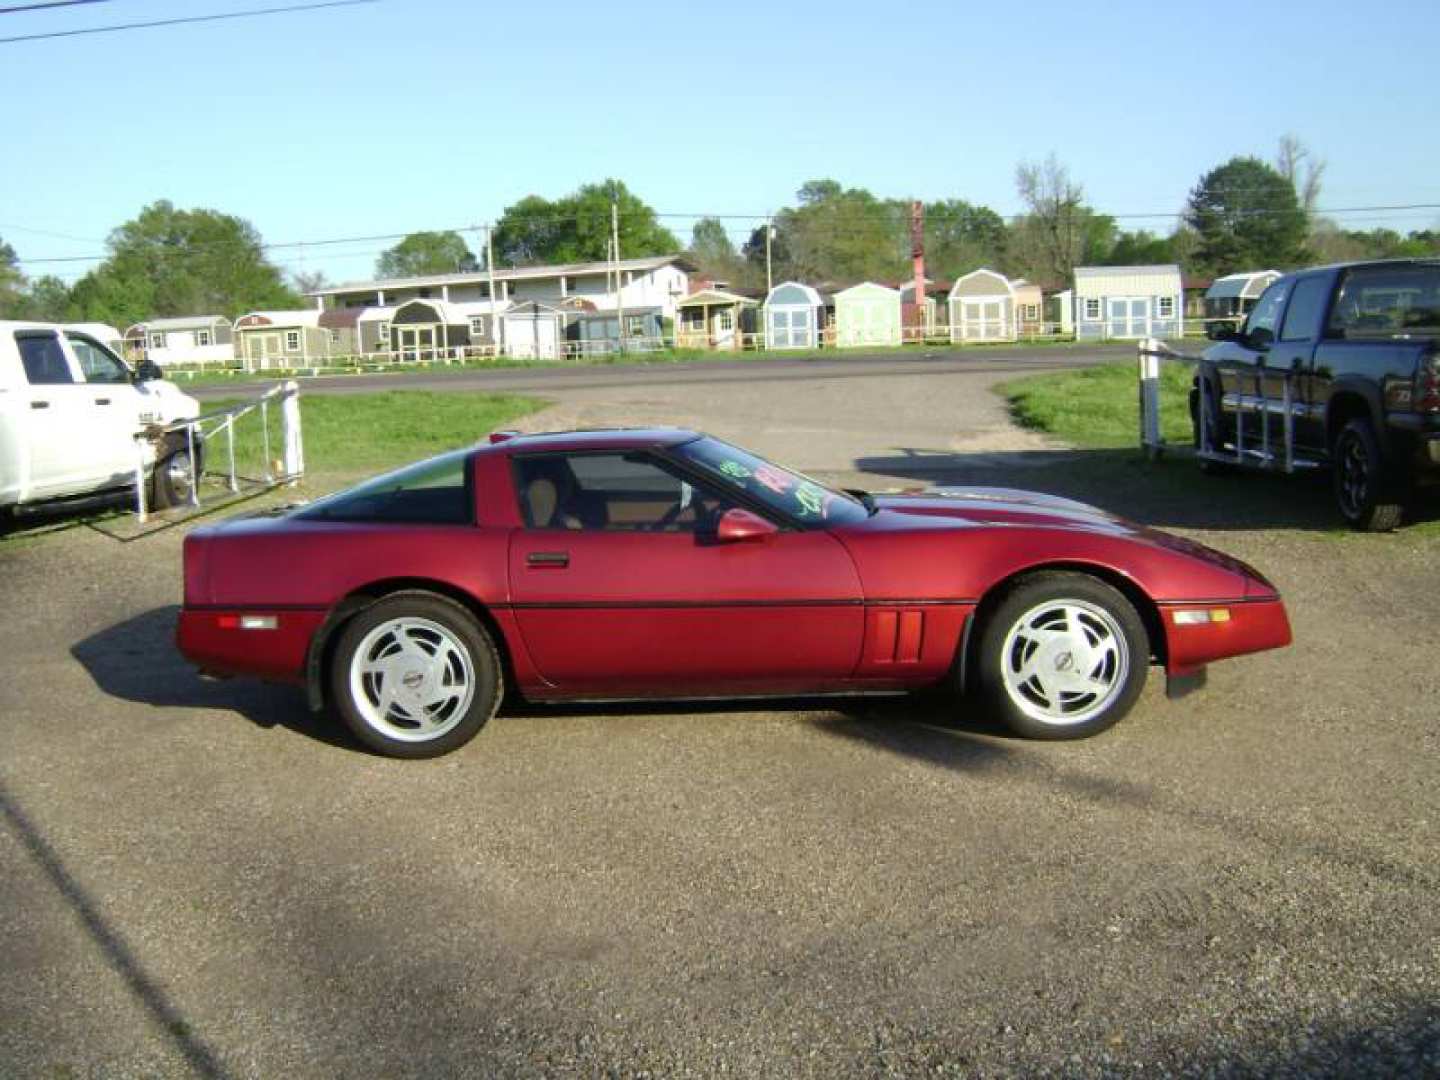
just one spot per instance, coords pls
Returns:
(632, 564)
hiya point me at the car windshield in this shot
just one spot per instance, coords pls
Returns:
(432, 492)
(791, 493)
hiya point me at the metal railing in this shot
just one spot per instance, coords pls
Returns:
(198, 433)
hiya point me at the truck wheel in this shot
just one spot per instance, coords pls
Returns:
(172, 485)
(1364, 491)
(1064, 656)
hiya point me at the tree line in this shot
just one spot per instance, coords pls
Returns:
(1244, 214)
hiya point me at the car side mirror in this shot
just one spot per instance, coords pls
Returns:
(1259, 339)
(1219, 331)
(148, 371)
(738, 525)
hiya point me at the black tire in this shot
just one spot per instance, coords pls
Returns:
(1042, 707)
(450, 650)
(1365, 493)
(170, 484)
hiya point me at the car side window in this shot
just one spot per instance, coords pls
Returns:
(433, 492)
(622, 492)
(1388, 301)
(1264, 319)
(1302, 317)
(96, 363)
(43, 359)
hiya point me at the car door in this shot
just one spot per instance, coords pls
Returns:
(620, 586)
(1244, 376)
(115, 407)
(58, 418)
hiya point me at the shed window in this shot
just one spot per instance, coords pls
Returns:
(334, 337)
(202, 337)
(382, 331)
(292, 340)
(157, 341)
(477, 326)
(1092, 307)
(1166, 307)
(1032, 312)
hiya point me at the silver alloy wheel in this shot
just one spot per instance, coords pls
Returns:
(412, 679)
(1065, 661)
(177, 475)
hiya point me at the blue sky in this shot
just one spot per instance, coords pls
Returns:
(414, 114)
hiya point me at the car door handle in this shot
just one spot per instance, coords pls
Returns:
(102, 401)
(39, 404)
(556, 560)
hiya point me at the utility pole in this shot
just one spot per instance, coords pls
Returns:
(615, 240)
(497, 324)
(769, 232)
(917, 252)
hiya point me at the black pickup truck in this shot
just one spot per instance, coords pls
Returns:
(1334, 368)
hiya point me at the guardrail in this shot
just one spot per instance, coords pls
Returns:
(200, 430)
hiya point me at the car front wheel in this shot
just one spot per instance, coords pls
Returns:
(415, 676)
(1063, 656)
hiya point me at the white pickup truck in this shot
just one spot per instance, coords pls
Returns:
(70, 411)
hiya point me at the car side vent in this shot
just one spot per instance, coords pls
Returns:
(896, 635)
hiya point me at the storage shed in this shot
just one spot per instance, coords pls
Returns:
(983, 307)
(191, 339)
(280, 339)
(714, 318)
(867, 314)
(1029, 307)
(794, 316)
(594, 333)
(1127, 302)
(533, 331)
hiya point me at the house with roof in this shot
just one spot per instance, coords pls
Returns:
(655, 281)
(715, 318)
(794, 316)
(867, 314)
(1128, 302)
(266, 340)
(191, 339)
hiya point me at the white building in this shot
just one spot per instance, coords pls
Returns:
(1128, 302)
(659, 281)
(194, 339)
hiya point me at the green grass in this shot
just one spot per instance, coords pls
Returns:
(1099, 406)
(345, 434)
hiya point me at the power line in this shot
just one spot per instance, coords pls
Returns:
(15, 9)
(251, 13)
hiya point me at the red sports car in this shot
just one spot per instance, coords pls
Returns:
(668, 564)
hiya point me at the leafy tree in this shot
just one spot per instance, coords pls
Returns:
(423, 253)
(837, 235)
(1247, 216)
(960, 237)
(1061, 231)
(48, 300)
(576, 228)
(180, 262)
(1140, 248)
(12, 282)
(713, 252)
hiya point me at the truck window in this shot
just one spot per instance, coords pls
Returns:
(43, 359)
(1264, 320)
(1387, 302)
(97, 364)
(1302, 317)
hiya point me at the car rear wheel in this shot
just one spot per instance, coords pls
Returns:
(1363, 491)
(415, 676)
(1063, 656)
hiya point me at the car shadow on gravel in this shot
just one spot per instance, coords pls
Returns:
(1169, 493)
(136, 660)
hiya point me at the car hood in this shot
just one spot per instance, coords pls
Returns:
(995, 507)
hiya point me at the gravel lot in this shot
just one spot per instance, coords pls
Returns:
(199, 878)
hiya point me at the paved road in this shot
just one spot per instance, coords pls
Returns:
(199, 879)
(998, 360)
